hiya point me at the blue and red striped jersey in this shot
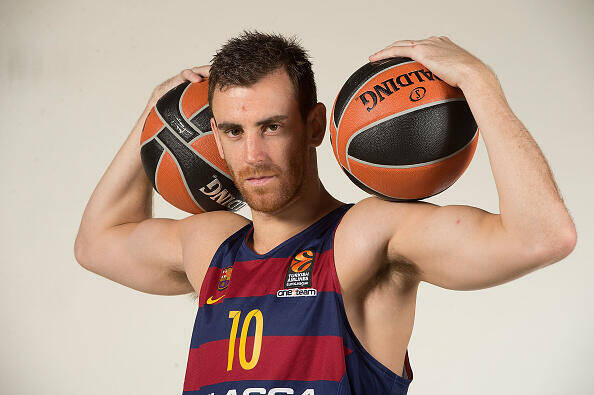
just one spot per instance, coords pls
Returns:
(275, 323)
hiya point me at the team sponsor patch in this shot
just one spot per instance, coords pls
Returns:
(300, 271)
(225, 278)
(293, 292)
(262, 391)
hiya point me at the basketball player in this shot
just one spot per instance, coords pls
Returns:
(315, 296)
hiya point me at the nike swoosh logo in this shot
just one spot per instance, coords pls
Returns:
(212, 301)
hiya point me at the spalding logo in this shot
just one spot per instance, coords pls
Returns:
(216, 192)
(403, 80)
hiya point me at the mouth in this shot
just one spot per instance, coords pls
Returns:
(258, 180)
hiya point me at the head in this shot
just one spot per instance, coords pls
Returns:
(266, 119)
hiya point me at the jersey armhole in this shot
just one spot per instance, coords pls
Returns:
(228, 241)
(406, 376)
(222, 248)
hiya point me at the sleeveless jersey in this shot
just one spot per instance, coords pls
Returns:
(276, 324)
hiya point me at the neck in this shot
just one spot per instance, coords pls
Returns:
(271, 229)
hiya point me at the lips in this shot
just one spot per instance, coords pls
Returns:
(259, 180)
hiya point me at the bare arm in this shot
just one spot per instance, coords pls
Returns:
(117, 237)
(462, 247)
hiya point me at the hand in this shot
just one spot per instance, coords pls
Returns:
(440, 55)
(195, 74)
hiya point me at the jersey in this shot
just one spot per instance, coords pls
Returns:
(275, 323)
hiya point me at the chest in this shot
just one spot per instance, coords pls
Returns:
(286, 288)
(253, 314)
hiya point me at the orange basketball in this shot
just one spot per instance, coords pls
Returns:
(399, 132)
(180, 156)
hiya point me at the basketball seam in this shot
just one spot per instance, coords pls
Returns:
(416, 164)
(355, 93)
(396, 115)
(365, 82)
(188, 120)
(190, 147)
(354, 176)
(152, 137)
(159, 163)
(181, 173)
(198, 112)
(197, 137)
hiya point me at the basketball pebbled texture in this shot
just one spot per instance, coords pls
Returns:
(400, 132)
(179, 153)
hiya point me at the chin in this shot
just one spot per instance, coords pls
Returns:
(276, 194)
(267, 202)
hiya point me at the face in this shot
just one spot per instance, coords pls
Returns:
(266, 144)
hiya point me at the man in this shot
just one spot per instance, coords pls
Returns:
(314, 296)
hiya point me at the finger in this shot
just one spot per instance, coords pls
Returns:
(404, 48)
(405, 43)
(191, 76)
(204, 71)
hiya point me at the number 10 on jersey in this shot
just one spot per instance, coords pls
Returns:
(236, 315)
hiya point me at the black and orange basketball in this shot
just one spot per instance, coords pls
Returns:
(180, 156)
(399, 132)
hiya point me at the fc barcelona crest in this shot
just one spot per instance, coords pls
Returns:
(225, 278)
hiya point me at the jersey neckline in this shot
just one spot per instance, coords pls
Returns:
(311, 227)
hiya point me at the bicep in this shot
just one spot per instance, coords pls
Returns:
(146, 256)
(459, 247)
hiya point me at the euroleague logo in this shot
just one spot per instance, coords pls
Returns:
(299, 275)
(302, 261)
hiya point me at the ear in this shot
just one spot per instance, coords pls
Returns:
(316, 123)
(215, 131)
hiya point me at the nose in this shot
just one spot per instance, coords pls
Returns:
(255, 148)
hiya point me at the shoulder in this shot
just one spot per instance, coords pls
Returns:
(379, 216)
(201, 235)
(210, 229)
(366, 225)
(217, 221)
(363, 235)
(372, 214)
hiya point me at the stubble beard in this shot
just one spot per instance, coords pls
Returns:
(271, 198)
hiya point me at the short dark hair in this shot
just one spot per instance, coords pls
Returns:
(247, 58)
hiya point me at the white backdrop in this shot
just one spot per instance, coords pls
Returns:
(75, 76)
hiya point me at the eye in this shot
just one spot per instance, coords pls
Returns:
(233, 132)
(274, 127)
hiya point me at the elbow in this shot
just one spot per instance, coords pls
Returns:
(79, 252)
(568, 241)
(556, 248)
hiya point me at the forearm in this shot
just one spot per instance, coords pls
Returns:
(124, 192)
(530, 205)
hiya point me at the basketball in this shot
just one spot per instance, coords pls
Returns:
(401, 133)
(180, 156)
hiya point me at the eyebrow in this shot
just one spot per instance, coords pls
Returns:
(231, 125)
